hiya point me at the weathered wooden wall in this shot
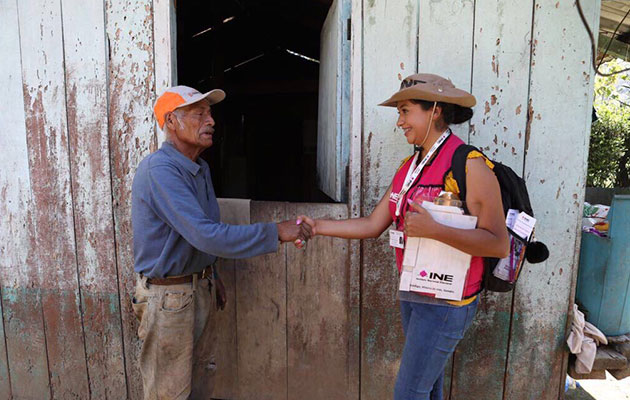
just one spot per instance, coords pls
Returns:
(528, 64)
(79, 80)
(80, 67)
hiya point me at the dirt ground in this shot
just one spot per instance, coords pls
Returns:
(600, 389)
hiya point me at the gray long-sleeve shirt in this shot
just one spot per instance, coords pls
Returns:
(176, 221)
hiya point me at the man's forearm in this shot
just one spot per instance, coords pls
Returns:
(236, 241)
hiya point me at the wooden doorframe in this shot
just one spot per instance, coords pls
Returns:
(164, 50)
(165, 56)
(355, 185)
(165, 59)
(356, 108)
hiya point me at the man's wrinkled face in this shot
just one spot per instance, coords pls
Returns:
(195, 125)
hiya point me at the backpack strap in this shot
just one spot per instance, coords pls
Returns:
(458, 167)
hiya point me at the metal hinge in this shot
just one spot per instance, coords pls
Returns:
(349, 30)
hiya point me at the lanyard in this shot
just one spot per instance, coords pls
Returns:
(412, 176)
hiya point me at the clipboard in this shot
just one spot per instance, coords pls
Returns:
(433, 268)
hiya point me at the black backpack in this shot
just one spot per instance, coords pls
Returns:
(514, 196)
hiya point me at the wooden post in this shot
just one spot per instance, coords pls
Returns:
(389, 54)
(131, 93)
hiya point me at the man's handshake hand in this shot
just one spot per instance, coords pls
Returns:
(296, 231)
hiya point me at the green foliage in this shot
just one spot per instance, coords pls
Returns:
(609, 152)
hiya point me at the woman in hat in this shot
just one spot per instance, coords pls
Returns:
(427, 104)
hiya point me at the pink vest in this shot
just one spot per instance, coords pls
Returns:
(430, 184)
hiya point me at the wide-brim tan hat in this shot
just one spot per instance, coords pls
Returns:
(430, 87)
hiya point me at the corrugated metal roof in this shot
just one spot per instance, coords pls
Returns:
(613, 17)
(613, 12)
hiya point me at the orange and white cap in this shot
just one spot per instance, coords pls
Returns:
(182, 96)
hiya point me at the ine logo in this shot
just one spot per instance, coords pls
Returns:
(437, 277)
(409, 83)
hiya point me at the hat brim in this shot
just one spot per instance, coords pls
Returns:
(214, 96)
(449, 95)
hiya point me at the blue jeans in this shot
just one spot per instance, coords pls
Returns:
(431, 334)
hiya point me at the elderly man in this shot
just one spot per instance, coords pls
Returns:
(177, 234)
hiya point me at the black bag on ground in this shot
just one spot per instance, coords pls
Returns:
(514, 196)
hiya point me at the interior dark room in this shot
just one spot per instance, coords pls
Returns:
(265, 56)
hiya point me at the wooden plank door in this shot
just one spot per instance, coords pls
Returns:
(287, 330)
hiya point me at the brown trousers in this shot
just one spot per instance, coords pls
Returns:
(176, 323)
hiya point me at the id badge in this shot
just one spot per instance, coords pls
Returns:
(396, 239)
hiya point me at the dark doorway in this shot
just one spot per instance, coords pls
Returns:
(265, 55)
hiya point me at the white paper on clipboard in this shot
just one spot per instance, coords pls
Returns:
(433, 267)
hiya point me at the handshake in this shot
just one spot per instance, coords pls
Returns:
(298, 231)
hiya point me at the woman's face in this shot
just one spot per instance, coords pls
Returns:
(414, 121)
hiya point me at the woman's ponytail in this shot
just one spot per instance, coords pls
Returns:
(452, 114)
